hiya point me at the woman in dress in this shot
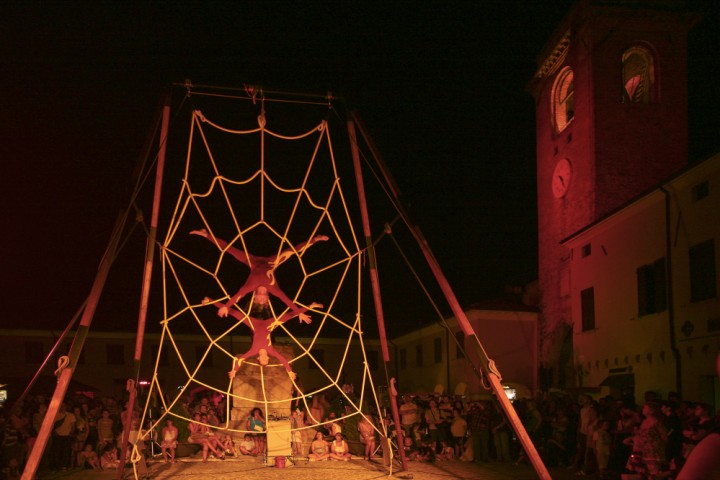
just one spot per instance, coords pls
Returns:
(318, 448)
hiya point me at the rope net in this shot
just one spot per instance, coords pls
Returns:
(261, 244)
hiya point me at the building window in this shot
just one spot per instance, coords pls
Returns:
(34, 352)
(199, 352)
(700, 191)
(317, 359)
(437, 350)
(586, 250)
(638, 75)
(419, 355)
(703, 280)
(372, 359)
(563, 106)
(115, 354)
(403, 358)
(651, 288)
(587, 307)
(459, 344)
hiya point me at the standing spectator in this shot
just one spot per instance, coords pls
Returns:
(408, 414)
(63, 430)
(367, 436)
(673, 450)
(479, 426)
(587, 416)
(105, 426)
(532, 421)
(500, 433)
(11, 449)
(434, 422)
(80, 436)
(458, 430)
(648, 443)
(699, 428)
(603, 443)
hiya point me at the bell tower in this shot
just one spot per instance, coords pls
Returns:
(611, 122)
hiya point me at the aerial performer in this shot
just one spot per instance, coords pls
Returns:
(262, 273)
(262, 342)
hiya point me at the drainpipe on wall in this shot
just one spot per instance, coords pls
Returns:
(670, 299)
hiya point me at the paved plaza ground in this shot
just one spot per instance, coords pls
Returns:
(355, 469)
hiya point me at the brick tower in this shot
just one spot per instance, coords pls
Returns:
(611, 122)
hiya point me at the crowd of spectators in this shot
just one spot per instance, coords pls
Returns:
(604, 437)
(86, 433)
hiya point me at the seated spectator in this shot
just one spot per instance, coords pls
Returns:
(169, 441)
(109, 458)
(339, 449)
(318, 449)
(248, 446)
(88, 459)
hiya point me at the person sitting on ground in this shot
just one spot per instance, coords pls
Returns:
(339, 449)
(169, 442)
(318, 448)
(88, 459)
(247, 446)
(109, 458)
(200, 434)
(228, 446)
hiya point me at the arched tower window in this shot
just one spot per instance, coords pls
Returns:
(638, 75)
(563, 107)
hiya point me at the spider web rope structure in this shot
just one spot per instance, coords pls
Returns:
(264, 193)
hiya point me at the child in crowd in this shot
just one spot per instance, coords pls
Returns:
(228, 446)
(248, 446)
(88, 459)
(109, 458)
(447, 452)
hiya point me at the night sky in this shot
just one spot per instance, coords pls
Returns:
(440, 86)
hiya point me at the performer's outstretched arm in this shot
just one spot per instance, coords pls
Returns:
(231, 311)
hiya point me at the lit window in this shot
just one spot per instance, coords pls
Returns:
(638, 75)
(563, 106)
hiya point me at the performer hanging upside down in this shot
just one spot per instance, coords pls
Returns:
(262, 341)
(262, 272)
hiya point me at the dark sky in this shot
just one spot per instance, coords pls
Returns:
(440, 85)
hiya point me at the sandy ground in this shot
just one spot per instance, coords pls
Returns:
(355, 469)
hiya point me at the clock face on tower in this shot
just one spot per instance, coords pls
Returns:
(561, 178)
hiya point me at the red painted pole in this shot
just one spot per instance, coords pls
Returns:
(374, 281)
(142, 315)
(486, 365)
(67, 372)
